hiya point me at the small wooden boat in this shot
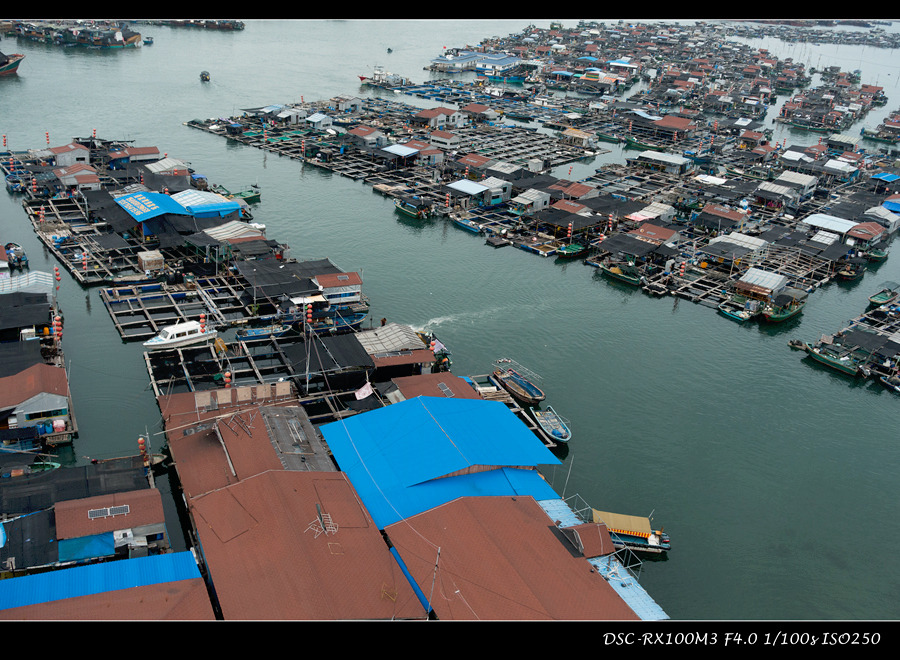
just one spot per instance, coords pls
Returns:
(884, 297)
(513, 380)
(551, 425)
(148, 41)
(633, 532)
(15, 256)
(204, 76)
(181, 334)
(852, 269)
(274, 330)
(466, 223)
(891, 382)
(738, 309)
(15, 183)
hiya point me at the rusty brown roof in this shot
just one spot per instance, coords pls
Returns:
(268, 557)
(430, 385)
(420, 356)
(222, 452)
(39, 378)
(144, 508)
(328, 280)
(486, 571)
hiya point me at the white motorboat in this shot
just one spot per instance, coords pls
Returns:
(181, 334)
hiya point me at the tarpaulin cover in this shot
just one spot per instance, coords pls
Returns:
(399, 457)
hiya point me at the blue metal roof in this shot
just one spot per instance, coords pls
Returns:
(204, 203)
(886, 176)
(97, 578)
(145, 205)
(397, 457)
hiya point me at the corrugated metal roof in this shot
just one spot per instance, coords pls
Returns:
(297, 545)
(487, 572)
(764, 279)
(402, 458)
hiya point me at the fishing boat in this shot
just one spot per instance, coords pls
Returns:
(465, 223)
(634, 143)
(886, 296)
(512, 378)
(15, 256)
(413, 207)
(834, 356)
(877, 253)
(572, 251)
(148, 41)
(624, 272)
(851, 269)
(552, 427)
(252, 195)
(633, 532)
(181, 334)
(9, 64)
(785, 306)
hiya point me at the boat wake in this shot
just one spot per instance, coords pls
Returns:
(456, 319)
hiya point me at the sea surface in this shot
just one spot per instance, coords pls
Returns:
(775, 478)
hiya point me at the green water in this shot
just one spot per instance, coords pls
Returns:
(772, 476)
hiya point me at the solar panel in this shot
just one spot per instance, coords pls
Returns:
(446, 390)
(105, 512)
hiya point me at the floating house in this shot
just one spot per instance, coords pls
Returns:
(38, 397)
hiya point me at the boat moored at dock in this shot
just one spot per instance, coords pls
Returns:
(633, 532)
(518, 381)
(551, 425)
(178, 335)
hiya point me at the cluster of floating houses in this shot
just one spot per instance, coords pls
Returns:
(285, 421)
(82, 33)
(707, 208)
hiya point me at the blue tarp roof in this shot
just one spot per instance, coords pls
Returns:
(397, 457)
(97, 578)
(145, 205)
(886, 176)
